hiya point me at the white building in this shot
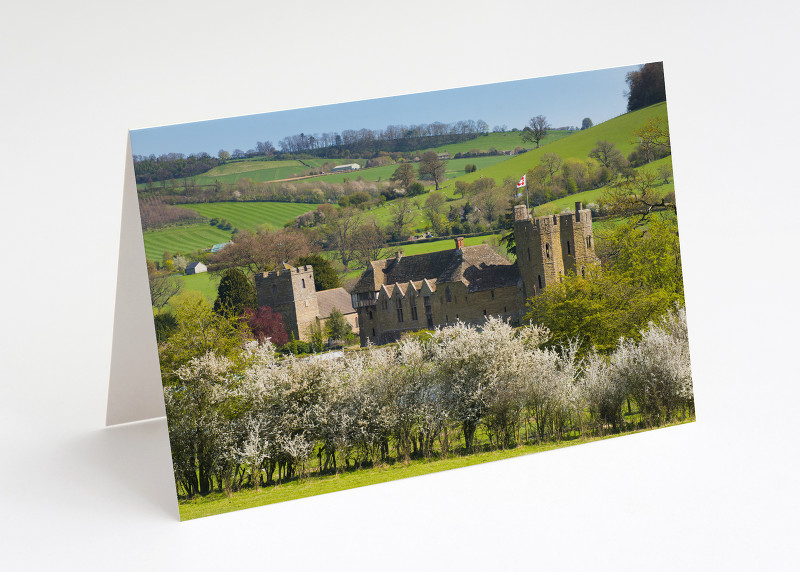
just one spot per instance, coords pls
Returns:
(345, 168)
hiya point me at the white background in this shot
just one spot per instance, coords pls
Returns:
(718, 494)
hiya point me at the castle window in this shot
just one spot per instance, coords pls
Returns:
(529, 255)
(370, 314)
(399, 309)
(505, 309)
(274, 290)
(373, 332)
(414, 312)
(447, 294)
(384, 304)
(589, 241)
(547, 250)
(303, 280)
(492, 294)
(540, 281)
(446, 318)
(568, 249)
(484, 311)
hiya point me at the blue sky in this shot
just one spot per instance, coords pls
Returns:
(563, 99)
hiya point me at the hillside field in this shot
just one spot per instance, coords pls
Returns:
(578, 145)
(244, 215)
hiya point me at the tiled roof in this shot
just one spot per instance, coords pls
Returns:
(478, 267)
(327, 300)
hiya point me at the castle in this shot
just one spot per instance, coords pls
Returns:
(467, 283)
(471, 283)
(290, 291)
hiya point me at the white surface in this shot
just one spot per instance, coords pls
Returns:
(719, 494)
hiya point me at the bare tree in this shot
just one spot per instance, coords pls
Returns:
(162, 286)
(262, 251)
(432, 166)
(340, 233)
(401, 210)
(369, 243)
(636, 197)
(608, 155)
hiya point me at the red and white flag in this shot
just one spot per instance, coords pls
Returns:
(521, 182)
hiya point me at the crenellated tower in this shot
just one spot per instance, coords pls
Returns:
(549, 247)
(290, 291)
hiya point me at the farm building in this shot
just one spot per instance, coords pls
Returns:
(346, 168)
(471, 283)
(195, 268)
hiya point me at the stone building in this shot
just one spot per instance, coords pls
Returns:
(470, 283)
(290, 291)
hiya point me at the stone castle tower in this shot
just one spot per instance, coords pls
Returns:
(290, 291)
(549, 247)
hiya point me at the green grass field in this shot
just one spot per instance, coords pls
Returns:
(218, 503)
(182, 239)
(578, 145)
(204, 283)
(252, 215)
(454, 168)
(245, 215)
(501, 141)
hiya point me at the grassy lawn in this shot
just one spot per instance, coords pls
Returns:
(252, 215)
(204, 283)
(182, 239)
(245, 215)
(218, 503)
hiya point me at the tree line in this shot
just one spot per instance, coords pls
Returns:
(241, 417)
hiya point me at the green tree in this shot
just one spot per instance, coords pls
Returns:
(646, 86)
(415, 188)
(536, 130)
(431, 166)
(337, 327)
(433, 206)
(639, 280)
(607, 154)
(235, 293)
(325, 277)
(405, 175)
(586, 123)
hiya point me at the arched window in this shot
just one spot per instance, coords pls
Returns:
(547, 249)
(568, 249)
(303, 280)
(540, 281)
(448, 296)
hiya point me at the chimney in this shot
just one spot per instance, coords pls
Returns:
(578, 207)
(459, 242)
(398, 256)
